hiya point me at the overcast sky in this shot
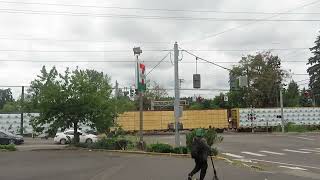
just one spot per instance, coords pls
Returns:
(82, 33)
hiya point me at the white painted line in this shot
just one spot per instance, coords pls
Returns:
(287, 164)
(243, 160)
(311, 150)
(253, 154)
(270, 152)
(302, 152)
(293, 168)
(306, 138)
(233, 155)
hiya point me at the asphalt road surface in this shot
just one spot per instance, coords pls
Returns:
(277, 151)
(90, 165)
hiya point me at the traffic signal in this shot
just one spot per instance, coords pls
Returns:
(131, 92)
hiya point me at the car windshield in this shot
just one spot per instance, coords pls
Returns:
(8, 133)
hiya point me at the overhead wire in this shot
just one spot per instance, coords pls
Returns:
(150, 9)
(206, 60)
(158, 63)
(251, 23)
(144, 17)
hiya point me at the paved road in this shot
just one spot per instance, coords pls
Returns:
(287, 151)
(281, 152)
(86, 165)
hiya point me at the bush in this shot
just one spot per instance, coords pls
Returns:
(10, 147)
(214, 151)
(108, 143)
(160, 148)
(180, 150)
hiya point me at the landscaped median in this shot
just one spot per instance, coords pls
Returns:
(131, 143)
(10, 147)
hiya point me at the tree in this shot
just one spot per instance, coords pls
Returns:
(10, 107)
(5, 96)
(291, 95)
(314, 70)
(73, 98)
(304, 100)
(155, 92)
(264, 78)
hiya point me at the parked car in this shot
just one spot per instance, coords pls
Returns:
(8, 138)
(66, 136)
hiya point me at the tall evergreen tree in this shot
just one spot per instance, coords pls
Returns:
(314, 70)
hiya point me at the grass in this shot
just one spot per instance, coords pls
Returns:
(291, 127)
(10, 147)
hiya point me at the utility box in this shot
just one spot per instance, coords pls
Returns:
(196, 81)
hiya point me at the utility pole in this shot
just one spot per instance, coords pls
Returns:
(176, 93)
(281, 105)
(22, 108)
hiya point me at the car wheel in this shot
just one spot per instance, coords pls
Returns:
(63, 141)
(89, 141)
(11, 141)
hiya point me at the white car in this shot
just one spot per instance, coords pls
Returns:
(63, 137)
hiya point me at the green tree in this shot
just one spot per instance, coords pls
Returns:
(264, 76)
(10, 107)
(314, 70)
(154, 92)
(73, 98)
(5, 96)
(291, 95)
(304, 100)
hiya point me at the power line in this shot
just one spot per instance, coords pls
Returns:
(158, 63)
(121, 61)
(300, 74)
(262, 49)
(77, 40)
(132, 16)
(207, 60)
(150, 9)
(151, 50)
(250, 23)
(303, 80)
(77, 51)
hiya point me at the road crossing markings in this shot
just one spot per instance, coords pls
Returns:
(293, 168)
(270, 152)
(253, 154)
(305, 138)
(311, 150)
(302, 152)
(286, 164)
(233, 155)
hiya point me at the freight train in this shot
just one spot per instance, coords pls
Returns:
(221, 119)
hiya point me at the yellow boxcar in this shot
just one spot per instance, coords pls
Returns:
(159, 120)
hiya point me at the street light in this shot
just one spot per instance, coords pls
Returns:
(137, 51)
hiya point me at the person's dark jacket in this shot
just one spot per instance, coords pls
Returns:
(200, 150)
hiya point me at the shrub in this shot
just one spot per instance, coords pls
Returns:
(160, 148)
(105, 143)
(180, 150)
(10, 147)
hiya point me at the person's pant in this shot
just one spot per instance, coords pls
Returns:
(200, 165)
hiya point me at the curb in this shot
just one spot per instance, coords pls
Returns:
(128, 152)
